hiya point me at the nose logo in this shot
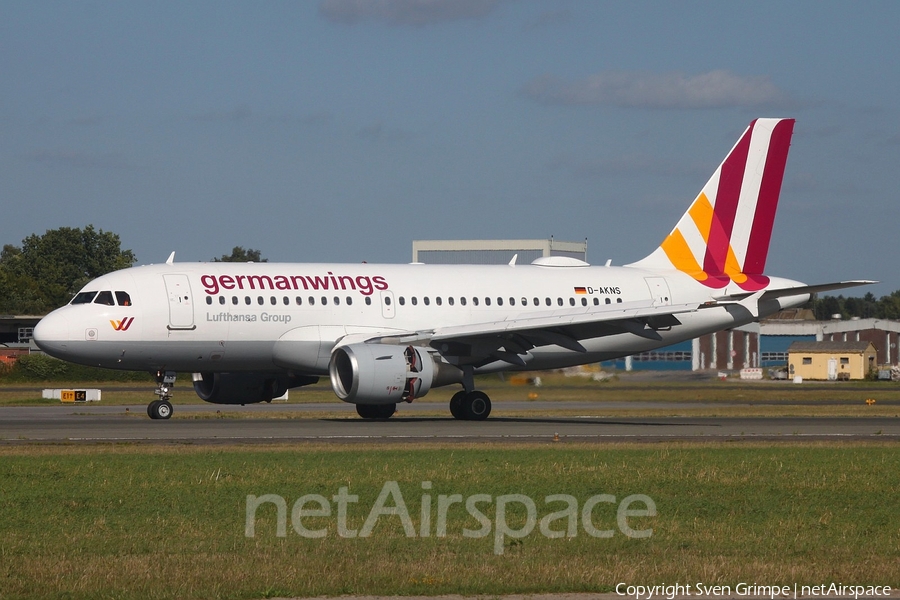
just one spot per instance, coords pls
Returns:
(122, 325)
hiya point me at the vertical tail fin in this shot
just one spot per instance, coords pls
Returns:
(724, 236)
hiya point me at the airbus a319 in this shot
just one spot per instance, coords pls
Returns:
(386, 334)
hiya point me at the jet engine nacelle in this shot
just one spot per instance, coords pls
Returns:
(245, 388)
(386, 374)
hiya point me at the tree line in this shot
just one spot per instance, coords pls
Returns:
(867, 307)
(45, 271)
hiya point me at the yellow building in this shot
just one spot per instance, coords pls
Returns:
(831, 360)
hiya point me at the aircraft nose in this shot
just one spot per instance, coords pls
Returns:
(51, 334)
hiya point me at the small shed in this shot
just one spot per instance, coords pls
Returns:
(831, 360)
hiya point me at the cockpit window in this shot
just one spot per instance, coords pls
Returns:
(105, 297)
(83, 297)
(123, 298)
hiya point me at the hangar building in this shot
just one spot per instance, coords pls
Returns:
(493, 252)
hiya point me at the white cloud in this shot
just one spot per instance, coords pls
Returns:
(405, 12)
(714, 89)
(627, 165)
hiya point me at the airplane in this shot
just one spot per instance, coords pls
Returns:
(386, 334)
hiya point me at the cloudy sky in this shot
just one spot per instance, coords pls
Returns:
(342, 130)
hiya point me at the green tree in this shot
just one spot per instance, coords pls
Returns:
(48, 269)
(238, 254)
(889, 306)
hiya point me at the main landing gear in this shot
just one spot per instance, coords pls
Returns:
(470, 406)
(162, 408)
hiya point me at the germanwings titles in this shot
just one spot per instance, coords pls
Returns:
(385, 334)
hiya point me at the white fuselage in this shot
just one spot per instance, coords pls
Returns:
(288, 317)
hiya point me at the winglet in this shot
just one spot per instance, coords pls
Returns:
(171, 258)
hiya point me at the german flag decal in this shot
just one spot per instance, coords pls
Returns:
(580, 290)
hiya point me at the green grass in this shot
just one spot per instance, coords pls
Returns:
(136, 522)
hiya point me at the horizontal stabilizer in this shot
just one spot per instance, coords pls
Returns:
(798, 291)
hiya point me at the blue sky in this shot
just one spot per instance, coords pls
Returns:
(342, 130)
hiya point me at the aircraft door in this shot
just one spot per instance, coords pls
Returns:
(659, 291)
(387, 304)
(181, 302)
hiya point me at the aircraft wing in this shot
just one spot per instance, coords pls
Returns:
(510, 339)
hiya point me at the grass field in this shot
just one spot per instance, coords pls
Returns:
(158, 522)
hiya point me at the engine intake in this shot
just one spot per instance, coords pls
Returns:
(386, 374)
(245, 388)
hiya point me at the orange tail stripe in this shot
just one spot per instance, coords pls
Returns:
(702, 214)
(676, 248)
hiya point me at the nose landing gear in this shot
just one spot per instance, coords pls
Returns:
(162, 408)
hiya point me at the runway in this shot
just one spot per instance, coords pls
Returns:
(83, 423)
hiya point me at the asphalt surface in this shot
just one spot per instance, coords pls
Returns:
(92, 423)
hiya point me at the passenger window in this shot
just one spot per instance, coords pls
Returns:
(209, 299)
(547, 301)
(584, 301)
(312, 301)
(387, 300)
(286, 300)
(368, 300)
(84, 297)
(499, 301)
(260, 301)
(299, 301)
(618, 301)
(596, 301)
(337, 301)
(608, 301)
(475, 300)
(221, 299)
(571, 301)
(415, 301)
(234, 300)
(247, 300)
(273, 300)
(105, 298)
(123, 298)
(487, 301)
(426, 300)
(512, 301)
(559, 301)
(462, 300)
(450, 300)
(349, 300)
(402, 301)
(324, 301)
